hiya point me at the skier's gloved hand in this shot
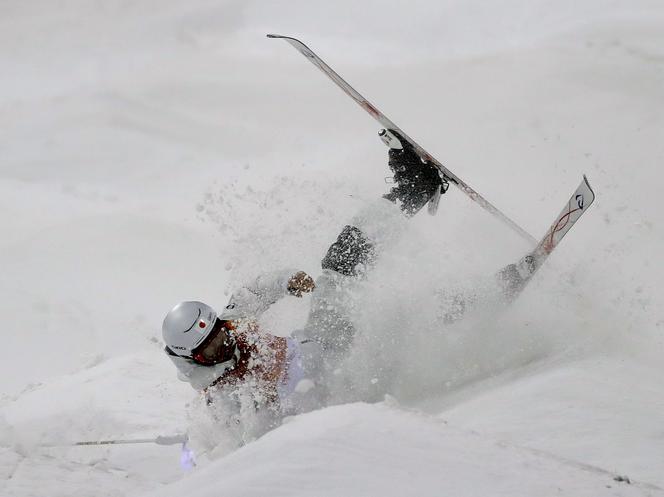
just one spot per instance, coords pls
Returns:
(300, 283)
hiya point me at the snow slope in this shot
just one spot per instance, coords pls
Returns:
(360, 449)
(160, 151)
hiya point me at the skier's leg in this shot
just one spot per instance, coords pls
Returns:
(505, 286)
(329, 330)
(514, 277)
(359, 243)
(377, 225)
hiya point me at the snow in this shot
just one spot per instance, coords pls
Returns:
(159, 151)
(361, 449)
(574, 409)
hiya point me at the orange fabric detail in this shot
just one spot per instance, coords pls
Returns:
(263, 357)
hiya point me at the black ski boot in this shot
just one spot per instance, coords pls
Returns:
(417, 181)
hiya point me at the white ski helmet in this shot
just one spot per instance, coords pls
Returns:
(187, 325)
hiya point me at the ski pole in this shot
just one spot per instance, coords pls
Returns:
(160, 440)
(187, 457)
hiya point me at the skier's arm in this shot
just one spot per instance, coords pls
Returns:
(255, 298)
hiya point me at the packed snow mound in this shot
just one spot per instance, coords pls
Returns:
(379, 449)
(602, 411)
(89, 405)
(525, 432)
(129, 397)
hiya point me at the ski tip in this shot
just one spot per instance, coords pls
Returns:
(585, 179)
(289, 39)
(283, 37)
(592, 192)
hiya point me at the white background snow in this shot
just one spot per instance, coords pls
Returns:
(156, 151)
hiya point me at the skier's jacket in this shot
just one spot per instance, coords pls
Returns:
(272, 362)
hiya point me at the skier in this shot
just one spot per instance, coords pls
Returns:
(227, 352)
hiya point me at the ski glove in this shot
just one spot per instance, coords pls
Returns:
(300, 283)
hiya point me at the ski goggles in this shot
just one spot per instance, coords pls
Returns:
(218, 346)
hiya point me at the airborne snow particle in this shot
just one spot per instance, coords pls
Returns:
(303, 386)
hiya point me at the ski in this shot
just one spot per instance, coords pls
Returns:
(515, 277)
(388, 124)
